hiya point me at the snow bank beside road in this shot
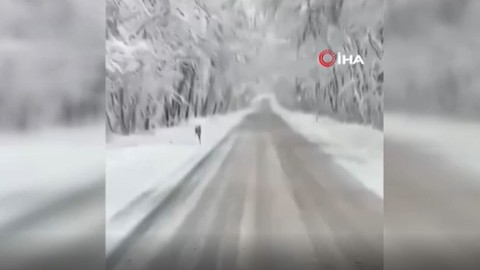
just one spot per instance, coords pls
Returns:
(455, 140)
(356, 148)
(38, 168)
(140, 166)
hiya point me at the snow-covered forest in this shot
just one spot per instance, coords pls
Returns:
(51, 62)
(168, 61)
(171, 60)
(432, 57)
(350, 92)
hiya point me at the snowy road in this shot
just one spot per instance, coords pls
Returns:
(265, 198)
(66, 233)
(432, 217)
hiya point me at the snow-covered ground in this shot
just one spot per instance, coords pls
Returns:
(39, 167)
(162, 159)
(356, 148)
(452, 139)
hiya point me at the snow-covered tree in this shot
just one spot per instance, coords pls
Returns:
(354, 93)
(432, 56)
(168, 61)
(51, 62)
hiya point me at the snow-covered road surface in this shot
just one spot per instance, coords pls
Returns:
(456, 141)
(432, 191)
(432, 216)
(266, 198)
(356, 148)
(52, 198)
(143, 169)
(66, 233)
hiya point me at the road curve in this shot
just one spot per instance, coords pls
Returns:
(266, 199)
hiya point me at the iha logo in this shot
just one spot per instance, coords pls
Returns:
(327, 58)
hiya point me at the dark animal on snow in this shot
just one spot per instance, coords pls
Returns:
(198, 132)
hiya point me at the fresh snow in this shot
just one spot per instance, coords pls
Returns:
(453, 139)
(356, 148)
(37, 168)
(162, 158)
